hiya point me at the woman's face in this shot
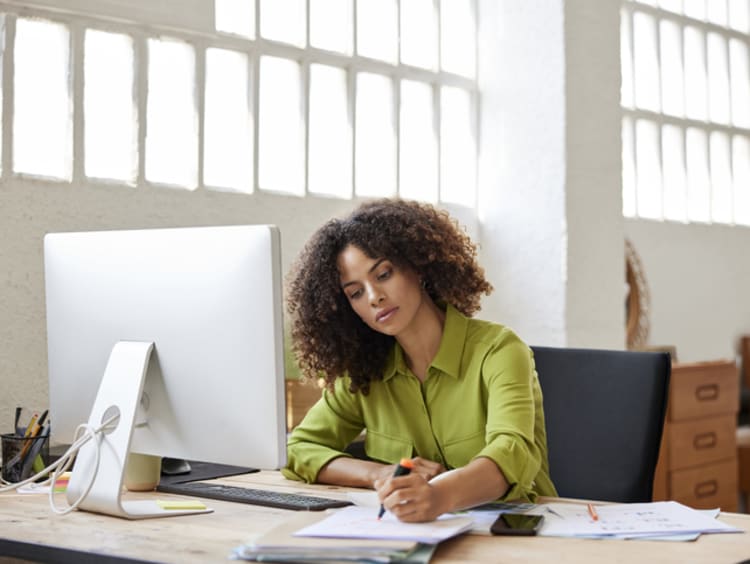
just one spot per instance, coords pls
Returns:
(385, 296)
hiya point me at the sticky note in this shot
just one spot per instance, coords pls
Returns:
(180, 504)
(61, 484)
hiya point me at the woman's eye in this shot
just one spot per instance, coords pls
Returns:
(355, 294)
(384, 275)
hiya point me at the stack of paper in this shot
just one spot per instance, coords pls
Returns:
(280, 545)
(361, 523)
(630, 521)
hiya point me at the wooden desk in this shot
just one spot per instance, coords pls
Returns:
(29, 530)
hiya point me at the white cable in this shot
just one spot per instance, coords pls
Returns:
(84, 433)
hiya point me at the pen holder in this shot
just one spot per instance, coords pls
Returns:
(20, 454)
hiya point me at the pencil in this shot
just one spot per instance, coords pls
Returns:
(592, 512)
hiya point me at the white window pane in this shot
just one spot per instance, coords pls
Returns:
(628, 170)
(671, 69)
(281, 134)
(419, 38)
(740, 82)
(377, 29)
(648, 169)
(331, 25)
(375, 136)
(646, 62)
(458, 41)
(330, 145)
(647, 2)
(741, 178)
(721, 178)
(699, 192)
(739, 15)
(228, 123)
(110, 134)
(717, 12)
(418, 148)
(42, 127)
(718, 79)
(695, 74)
(235, 16)
(171, 127)
(458, 154)
(675, 187)
(696, 8)
(283, 20)
(626, 60)
(671, 5)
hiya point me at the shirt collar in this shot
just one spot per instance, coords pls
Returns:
(448, 357)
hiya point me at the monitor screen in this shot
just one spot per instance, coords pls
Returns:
(209, 299)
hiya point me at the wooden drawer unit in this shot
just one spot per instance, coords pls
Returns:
(300, 397)
(698, 459)
(702, 389)
(701, 441)
(707, 486)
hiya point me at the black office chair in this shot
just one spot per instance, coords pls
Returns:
(604, 414)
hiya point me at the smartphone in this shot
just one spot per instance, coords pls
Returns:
(516, 524)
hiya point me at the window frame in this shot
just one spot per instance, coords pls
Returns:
(148, 23)
(632, 114)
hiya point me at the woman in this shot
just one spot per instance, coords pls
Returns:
(380, 304)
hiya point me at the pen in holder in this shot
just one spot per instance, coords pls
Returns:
(20, 453)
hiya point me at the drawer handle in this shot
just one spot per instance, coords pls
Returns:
(704, 440)
(706, 489)
(707, 392)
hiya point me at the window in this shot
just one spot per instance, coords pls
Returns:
(110, 133)
(686, 110)
(334, 98)
(228, 126)
(42, 128)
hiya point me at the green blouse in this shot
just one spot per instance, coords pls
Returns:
(481, 397)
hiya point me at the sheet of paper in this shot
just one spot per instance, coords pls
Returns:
(630, 520)
(362, 523)
(282, 537)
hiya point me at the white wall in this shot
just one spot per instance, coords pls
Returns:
(699, 282)
(551, 225)
(522, 167)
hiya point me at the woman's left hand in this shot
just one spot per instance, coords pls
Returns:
(411, 498)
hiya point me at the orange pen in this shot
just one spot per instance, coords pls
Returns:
(404, 467)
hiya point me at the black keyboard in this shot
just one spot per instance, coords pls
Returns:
(237, 494)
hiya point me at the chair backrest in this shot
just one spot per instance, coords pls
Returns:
(604, 414)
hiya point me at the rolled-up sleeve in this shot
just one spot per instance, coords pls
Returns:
(330, 425)
(508, 374)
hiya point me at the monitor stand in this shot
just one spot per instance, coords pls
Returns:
(119, 392)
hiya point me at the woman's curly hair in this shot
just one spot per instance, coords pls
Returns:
(328, 337)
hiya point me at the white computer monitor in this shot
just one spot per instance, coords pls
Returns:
(210, 301)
